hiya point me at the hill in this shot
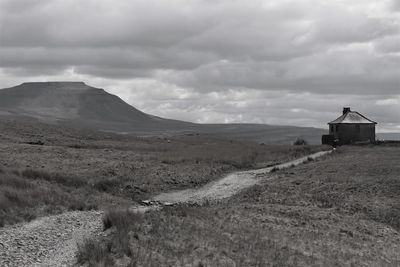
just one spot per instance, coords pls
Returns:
(79, 105)
(388, 136)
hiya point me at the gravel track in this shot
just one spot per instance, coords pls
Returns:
(52, 241)
(48, 241)
(230, 184)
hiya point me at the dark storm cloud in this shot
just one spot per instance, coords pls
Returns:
(214, 50)
(176, 35)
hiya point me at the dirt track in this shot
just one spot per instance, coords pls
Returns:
(52, 241)
(230, 184)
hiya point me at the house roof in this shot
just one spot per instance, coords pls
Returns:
(352, 117)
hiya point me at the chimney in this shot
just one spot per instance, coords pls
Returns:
(345, 110)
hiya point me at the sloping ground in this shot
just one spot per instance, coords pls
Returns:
(341, 210)
(77, 104)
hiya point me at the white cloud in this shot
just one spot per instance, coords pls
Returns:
(388, 102)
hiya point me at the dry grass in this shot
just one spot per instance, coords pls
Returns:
(94, 253)
(23, 199)
(60, 174)
(53, 177)
(338, 211)
(136, 168)
(121, 218)
(185, 236)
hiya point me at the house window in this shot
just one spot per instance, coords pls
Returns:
(331, 128)
(337, 128)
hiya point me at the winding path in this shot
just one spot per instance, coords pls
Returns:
(230, 184)
(52, 241)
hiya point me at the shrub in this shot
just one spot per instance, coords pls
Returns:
(94, 253)
(274, 169)
(121, 219)
(300, 142)
(107, 184)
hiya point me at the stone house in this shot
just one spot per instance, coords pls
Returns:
(350, 128)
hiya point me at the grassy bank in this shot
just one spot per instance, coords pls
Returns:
(29, 194)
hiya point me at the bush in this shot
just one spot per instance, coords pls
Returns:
(94, 253)
(300, 142)
(107, 184)
(121, 219)
(274, 169)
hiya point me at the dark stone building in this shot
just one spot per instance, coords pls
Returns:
(350, 128)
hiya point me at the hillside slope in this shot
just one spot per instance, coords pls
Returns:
(79, 105)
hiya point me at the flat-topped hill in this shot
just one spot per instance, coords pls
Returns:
(80, 105)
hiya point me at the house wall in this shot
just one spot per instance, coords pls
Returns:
(351, 133)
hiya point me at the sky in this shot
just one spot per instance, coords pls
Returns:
(285, 62)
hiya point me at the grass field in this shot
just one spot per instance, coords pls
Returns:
(342, 210)
(47, 170)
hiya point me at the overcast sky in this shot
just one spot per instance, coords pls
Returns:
(286, 62)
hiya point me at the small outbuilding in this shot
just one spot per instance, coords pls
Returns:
(350, 128)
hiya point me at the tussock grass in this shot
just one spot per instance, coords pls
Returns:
(93, 253)
(330, 212)
(108, 184)
(388, 215)
(53, 177)
(238, 155)
(190, 236)
(360, 181)
(121, 219)
(23, 199)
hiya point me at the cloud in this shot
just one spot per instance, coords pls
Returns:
(210, 61)
(388, 44)
(394, 5)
